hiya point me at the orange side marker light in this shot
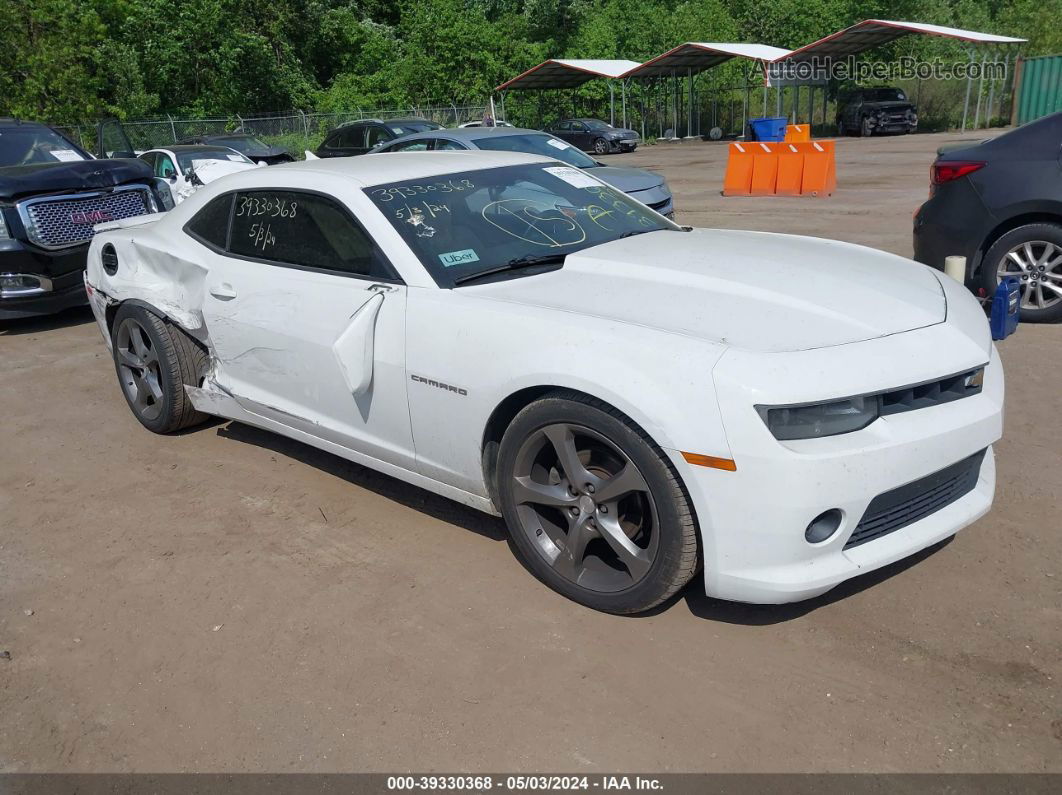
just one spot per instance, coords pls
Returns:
(727, 464)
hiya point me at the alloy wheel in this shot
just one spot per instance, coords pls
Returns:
(138, 368)
(1037, 265)
(601, 146)
(585, 507)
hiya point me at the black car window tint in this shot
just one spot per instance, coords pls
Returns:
(211, 224)
(303, 229)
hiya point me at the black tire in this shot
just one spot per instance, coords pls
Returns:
(601, 146)
(1036, 235)
(663, 533)
(865, 128)
(154, 367)
(842, 131)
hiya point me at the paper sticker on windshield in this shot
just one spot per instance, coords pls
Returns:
(236, 158)
(557, 144)
(66, 155)
(573, 177)
(463, 257)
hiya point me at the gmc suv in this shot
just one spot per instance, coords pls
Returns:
(52, 194)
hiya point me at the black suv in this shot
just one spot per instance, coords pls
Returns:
(359, 137)
(52, 194)
(877, 110)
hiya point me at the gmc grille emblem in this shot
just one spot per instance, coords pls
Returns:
(90, 217)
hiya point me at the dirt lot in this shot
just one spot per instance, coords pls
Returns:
(226, 600)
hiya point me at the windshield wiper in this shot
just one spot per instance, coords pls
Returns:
(527, 261)
(634, 232)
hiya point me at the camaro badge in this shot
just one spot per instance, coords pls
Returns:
(448, 387)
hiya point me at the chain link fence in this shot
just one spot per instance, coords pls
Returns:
(295, 130)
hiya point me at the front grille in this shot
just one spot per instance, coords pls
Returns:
(933, 393)
(62, 221)
(908, 504)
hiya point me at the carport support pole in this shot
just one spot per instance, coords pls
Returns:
(623, 94)
(980, 91)
(611, 104)
(966, 102)
(689, 109)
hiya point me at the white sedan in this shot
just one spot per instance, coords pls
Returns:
(188, 167)
(639, 401)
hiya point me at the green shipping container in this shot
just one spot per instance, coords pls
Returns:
(1040, 91)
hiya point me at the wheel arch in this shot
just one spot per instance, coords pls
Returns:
(506, 410)
(1010, 224)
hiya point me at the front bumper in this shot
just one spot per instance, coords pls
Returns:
(62, 269)
(753, 520)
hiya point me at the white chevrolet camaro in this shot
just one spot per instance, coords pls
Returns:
(638, 400)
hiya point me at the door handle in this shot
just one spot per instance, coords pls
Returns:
(223, 291)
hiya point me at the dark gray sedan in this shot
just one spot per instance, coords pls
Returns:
(594, 135)
(646, 186)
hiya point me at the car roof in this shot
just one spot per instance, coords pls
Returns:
(183, 148)
(469, 133)
(400, 166)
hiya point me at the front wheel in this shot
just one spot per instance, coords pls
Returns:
(593, 505)
(866, 129)
(155, 361)
(1031, 254)
(601, 147)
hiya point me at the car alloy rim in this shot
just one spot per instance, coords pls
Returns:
(585, 507)
(1037, 265)
(600, 146)
(138, 367)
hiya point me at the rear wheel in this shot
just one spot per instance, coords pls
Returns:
(1031, 254)
(155, 360)
(866, 129)
(601, 147)
(594, 506)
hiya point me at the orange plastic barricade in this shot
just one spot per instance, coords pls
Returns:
(764, 169)
(738, 179)
(790, 170)
(797, 133)
(820, 168)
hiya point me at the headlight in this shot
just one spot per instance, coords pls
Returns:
(820, 419)
(4, 234)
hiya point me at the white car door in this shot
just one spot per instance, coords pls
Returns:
(307, 319)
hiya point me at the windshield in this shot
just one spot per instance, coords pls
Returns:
(537, 144)
(22, 146)
(187, 160)
(407, 127)
(594, 124)
(244, 144)
(885, 95)
(469, 222)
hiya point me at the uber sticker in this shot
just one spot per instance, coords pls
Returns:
(451, 258)
(573, 177)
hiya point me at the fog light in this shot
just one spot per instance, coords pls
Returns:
(823, 526)
(16, 285)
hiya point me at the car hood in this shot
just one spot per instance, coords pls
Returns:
(892, 104)
(39, 178)
(628, 180)
(751, 290)
(268, 151)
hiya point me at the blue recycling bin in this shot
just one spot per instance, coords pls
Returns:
(768, 130)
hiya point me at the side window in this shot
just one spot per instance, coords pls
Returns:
(441, 145)
(211, 224)
(420, 145)
(375, 135)
(164, 166)
(303, 229)
(578, 126)
(149, 158)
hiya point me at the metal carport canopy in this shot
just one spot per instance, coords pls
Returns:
(568, 73)
(871, 33)
(694, 57)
